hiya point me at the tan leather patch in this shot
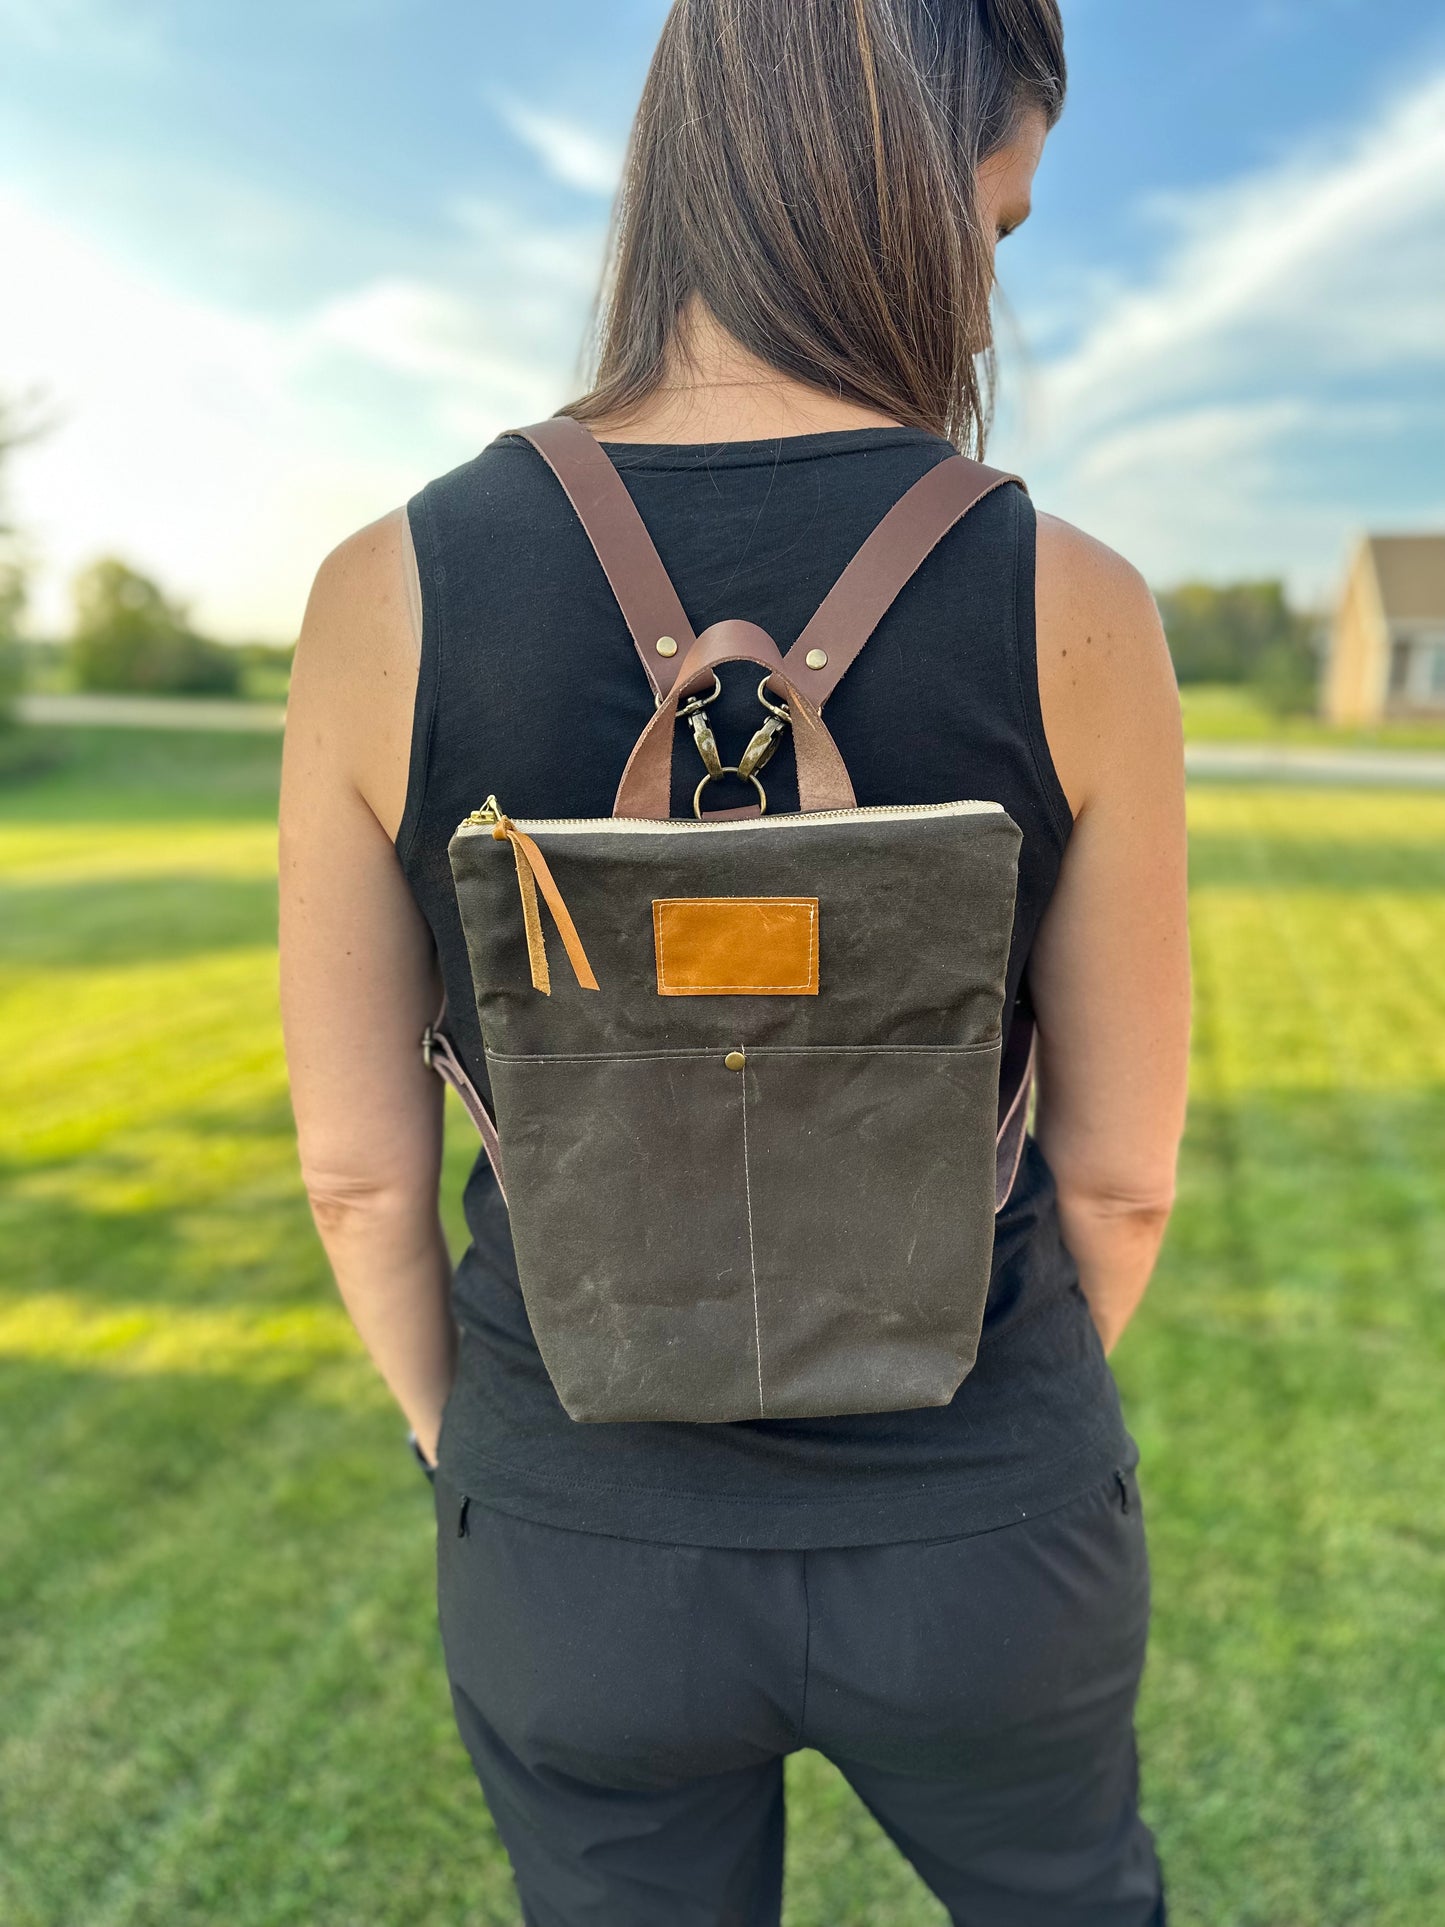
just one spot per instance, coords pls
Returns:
(736, 946)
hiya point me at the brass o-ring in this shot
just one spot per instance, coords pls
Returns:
(728, 769)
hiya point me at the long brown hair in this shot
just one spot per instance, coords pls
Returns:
(807, 169)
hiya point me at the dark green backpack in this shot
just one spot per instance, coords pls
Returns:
(753, 1140)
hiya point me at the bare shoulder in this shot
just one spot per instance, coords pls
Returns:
(354, 681)
(1075, 563)
(1106, 682)
(359, 595)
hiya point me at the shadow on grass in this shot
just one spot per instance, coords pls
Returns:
(133, 919)
(218, 1233)
(1262, 862)
(142, 776)
(252, 1248)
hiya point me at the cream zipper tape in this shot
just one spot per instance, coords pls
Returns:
(486, 818)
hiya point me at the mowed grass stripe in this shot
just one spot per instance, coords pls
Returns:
(224, 1696)
(1317, 1362)
(124, 1711)
(121, 1049)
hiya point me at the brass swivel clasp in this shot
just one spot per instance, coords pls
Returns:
(760, 747)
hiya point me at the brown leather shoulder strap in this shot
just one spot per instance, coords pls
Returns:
(643, 588)
(848, 614)
(872, 581)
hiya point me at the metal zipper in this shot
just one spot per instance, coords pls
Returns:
(491, 812)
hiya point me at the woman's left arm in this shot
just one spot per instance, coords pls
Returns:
(358, 973)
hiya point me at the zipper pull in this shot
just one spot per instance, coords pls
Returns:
(533, 875)
(489, 813)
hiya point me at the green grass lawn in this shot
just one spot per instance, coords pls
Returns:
(48, 671)
(1233, 713)
(222, 1683)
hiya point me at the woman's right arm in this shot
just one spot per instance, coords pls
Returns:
(359, 975)
(1109, 971)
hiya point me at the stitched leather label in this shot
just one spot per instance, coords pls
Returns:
(736, 946)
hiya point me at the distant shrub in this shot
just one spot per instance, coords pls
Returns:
(266, 655)
(129, 636)
(12, 604)
(24, 750)
(1243, 632)
(265, 669)
(1287, 676)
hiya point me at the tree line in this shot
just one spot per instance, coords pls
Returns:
(1244, 632)
(129, 635)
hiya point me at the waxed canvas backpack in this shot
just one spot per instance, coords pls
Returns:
(753, 1134)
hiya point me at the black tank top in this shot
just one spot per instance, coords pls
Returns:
(530, 688)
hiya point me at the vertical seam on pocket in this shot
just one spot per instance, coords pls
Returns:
(752, 1253)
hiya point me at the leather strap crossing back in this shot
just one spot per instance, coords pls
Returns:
(629, 558)
(870, 585)
(844, 620)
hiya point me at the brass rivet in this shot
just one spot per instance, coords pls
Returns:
(816, 659)
(667, 645)
(735, 1060)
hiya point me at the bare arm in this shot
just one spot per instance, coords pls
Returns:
(1110, 965)
(358, 972)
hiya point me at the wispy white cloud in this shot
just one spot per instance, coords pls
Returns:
(553, 261)
(1333, 258)
(1289, 329)
(417, 329)
(570, 153)
(1190, 399)
(129, 36)
(225, 452)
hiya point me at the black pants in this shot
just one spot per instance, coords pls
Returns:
(627, 1707)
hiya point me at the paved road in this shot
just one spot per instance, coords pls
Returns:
(1278, 762)
(1243, 762)
(152, 712)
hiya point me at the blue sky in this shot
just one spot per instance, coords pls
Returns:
(274, 266)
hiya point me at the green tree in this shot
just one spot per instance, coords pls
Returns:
(13, 431)
(12, 605)
(130, 636)
(1243, 632)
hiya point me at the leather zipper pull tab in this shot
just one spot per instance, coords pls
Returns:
(532, 875)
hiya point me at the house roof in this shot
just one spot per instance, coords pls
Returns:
(1410, 571)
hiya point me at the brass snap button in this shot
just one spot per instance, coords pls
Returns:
(816, 659)
(735, 1060)
(667, 645)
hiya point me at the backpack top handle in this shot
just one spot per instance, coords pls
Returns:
(823, 780)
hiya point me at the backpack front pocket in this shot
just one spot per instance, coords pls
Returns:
(628, 1200)
(830, 1254)
(870, 1174)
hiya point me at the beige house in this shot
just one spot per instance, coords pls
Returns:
(1387, 650)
